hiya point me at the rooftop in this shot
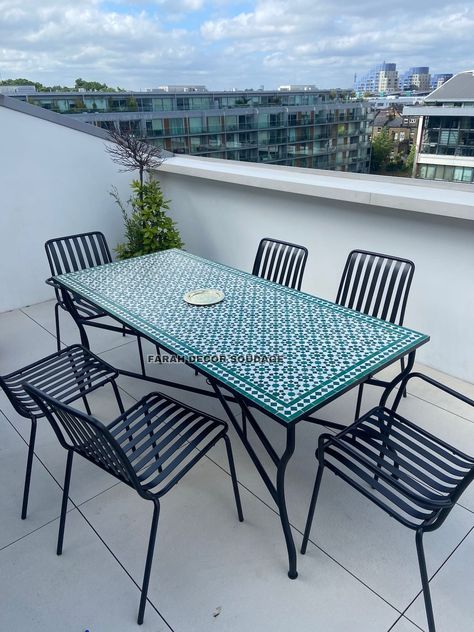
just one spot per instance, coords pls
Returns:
(458, 88)
(210, 571)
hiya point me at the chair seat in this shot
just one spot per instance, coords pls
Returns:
(405, 470)
(66, 376)
(160, 438)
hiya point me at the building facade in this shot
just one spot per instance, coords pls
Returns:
(321, 129)
(380, 79)
(415, 78)
(445, 142)
(438, 79)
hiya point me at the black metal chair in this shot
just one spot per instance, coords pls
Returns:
(78, 252)
(412, 475)
(68, 375)
(280, 262)
(377, 285)
(150, 447)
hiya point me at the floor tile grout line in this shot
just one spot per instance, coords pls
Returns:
(294, 527)
(88, 522)
(264, 502)
(77, 506)
(244, 486)
(446, 410)
(26, 535)
(400, 618)
(435, 573)
(65, 343)
(339, 563)
(122, 566)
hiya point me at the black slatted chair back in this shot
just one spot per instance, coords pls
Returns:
(76, 252)
(281, 262)
(85, 435)
(376, 284)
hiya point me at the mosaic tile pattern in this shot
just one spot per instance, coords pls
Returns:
(321, 348)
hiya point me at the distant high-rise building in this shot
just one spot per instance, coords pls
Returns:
(438, 79)
(298, 88)
(322, 129)
(415, 78)
(191, 88)
(20, 90)
(379, 80)
(445, 142)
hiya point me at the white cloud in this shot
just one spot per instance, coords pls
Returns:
(242, 43)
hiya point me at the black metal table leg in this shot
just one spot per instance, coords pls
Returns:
(277, 491)
(285, 523)
(399, 378)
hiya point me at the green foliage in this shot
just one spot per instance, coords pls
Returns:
(147, 226)
(382, 146)
(79, 84)
(411, 158)
(93, 86)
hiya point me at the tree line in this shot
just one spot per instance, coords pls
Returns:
(80, 84)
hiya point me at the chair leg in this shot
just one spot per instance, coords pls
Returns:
(140, 352)
(312, 507)
(86, 405)
(62, 520)
(359, 401)
(56, 319)
(402, 364)
(123, 331)
(118, 397)
(233, 475)
(29, 465)
(424, 581)
(149, 561)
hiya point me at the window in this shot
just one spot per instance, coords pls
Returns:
(214, 123)
(176, 126)
(195, 125)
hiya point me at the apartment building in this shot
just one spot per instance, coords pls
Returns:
(445, 142)
(321, 129)
(415, 78)
(382, 78)
(438, 79)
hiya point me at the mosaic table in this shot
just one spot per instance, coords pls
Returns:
(279, 350)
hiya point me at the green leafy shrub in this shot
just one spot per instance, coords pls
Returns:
(147, 226)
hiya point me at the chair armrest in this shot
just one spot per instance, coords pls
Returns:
(438, 385)
(53, 283)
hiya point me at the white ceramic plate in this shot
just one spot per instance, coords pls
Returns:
(205, 296)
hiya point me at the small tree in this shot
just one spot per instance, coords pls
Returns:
(147, 226)
(382, 147)
(133, 153)
(410, 161)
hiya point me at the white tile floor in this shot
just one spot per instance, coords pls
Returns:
(360, 573)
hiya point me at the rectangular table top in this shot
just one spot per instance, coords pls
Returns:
(286, 351)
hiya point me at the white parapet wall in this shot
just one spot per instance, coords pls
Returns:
(55, 179)
(224, 208)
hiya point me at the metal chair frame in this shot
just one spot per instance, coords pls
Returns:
(409, 473)
(70, 374)
(281, 262)
(146, 448)
(72, 253)
(377, 285)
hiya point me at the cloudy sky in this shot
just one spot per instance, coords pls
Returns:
(138, 44)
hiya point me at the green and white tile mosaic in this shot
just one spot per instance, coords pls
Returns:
(320, 348)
